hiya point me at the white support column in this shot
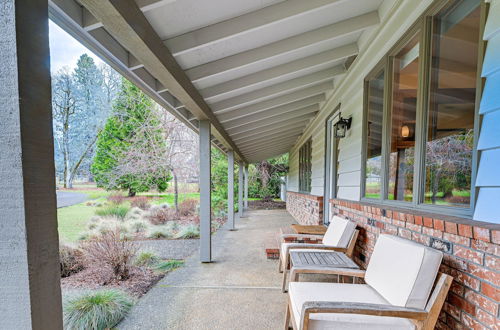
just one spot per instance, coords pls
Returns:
(240, 189)
(246, 188)
(230, 189)
(30, 292)
(205, 206)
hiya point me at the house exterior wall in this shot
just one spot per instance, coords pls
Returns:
(471, 248)
(306, 209)
(488, 176)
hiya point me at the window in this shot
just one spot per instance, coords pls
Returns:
(305, 167)
(403, 116)
(420, 112)
(450, 119)
(374, 100)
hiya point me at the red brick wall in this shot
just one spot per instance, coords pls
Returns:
(471, 255)
(306, 209)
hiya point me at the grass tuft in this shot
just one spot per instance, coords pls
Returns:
(167, 265)
(146, 258)
(119, 211)
(189, 231)
(101, 309)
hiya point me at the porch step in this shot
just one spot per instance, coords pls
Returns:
(272, 246)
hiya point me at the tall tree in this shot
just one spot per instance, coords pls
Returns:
(81, 103)
(132, 145)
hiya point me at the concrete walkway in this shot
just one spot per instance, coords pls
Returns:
(241, 289)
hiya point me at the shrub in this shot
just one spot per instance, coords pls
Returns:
(146, 258)
(110, 251)
(188, 207)
(118, 211)
(101, 309)
(70, 260)
(116, 199)
(157, 232)
(141, 202)
(189, 231)
(138, 226)
(167, 265)
(159, 215)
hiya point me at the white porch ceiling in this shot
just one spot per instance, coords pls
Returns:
(259, 70)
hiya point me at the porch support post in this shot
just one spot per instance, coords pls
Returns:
(205, 208)
(240, 189)
(230, 189)
(246, 188)
(30, 292)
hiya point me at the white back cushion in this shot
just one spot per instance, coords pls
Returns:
(403, 271)
(339, 232)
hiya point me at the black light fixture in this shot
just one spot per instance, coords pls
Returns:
(340, 128)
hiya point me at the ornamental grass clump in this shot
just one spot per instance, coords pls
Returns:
(189, 231)
(146, 259)
(101, 309)
(70, 260)
(119, 211)
(168, 265)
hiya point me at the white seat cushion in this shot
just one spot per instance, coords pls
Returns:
(301, 292)
(403, 271)
(339, 232)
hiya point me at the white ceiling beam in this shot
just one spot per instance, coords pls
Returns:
(264, 118)
(283, 147)
(273, 139)
(292, 44)
(128, 25)
(291, 124)
(310, 104)
(265, 147)
(330, 56)
(274, 90)
(90, 22)
(301, 113)
(273, 133)
(276, 102)
(244, 23)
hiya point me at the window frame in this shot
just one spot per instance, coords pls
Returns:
(424, 24)
(305, 167)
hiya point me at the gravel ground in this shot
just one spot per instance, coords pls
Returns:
(171, 249)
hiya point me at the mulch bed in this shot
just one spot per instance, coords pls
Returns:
(139, 282)
(266, 205)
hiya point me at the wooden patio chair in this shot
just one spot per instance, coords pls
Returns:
(340, 236)
(403, 290)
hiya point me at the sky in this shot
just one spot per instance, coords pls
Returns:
(64, 49)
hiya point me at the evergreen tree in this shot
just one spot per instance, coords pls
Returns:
(131, 146)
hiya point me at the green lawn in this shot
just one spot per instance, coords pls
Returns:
(73, 220)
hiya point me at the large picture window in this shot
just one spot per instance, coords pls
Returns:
(305, 168)
(420, 112)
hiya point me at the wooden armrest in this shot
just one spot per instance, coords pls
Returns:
(359, 273)
(312, 236)
(360, 308)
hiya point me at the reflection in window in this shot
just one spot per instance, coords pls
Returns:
(375, 111)
(450, 135)
(403, 118)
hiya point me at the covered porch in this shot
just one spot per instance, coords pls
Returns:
(240, 290)
(255, 79)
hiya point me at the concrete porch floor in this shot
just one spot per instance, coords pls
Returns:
(241, 289)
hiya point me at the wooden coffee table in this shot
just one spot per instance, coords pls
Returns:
(301, 261)
(310, 229)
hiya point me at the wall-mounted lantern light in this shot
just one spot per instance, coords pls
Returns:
(340, 128)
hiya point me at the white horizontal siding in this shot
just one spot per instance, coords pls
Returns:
(488, 175)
